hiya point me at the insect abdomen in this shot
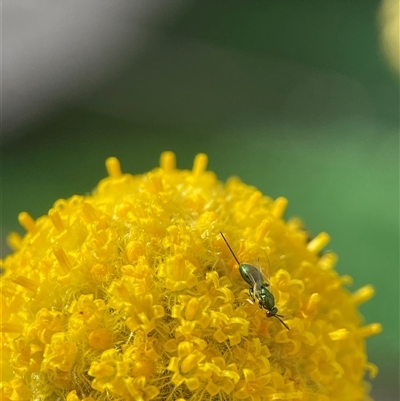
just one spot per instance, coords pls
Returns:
(250, 274)
(268, 300)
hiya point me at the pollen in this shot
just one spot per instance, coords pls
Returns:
(14, 240)
(56, 220)
(130, 293)
(200, 164)
(113, 167)
(99, 272)
(100, 339)
(25, 282)
(62, 259)
(318, 243)
(364, 294)
(279, 207)
(312, 303)
(168, 161)
(262, 230)
(370, 330)
(339, 334)
(26, 221)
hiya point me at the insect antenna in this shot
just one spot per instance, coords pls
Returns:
(277, 316)
(226, 242)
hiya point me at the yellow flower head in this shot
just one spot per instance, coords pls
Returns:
(131, 293)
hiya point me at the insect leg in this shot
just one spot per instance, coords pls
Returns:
(251, 292)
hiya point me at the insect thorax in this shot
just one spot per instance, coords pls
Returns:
(266, 298)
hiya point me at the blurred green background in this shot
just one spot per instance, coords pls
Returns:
(292, 97)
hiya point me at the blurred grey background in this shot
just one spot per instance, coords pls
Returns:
(58, 52)
(300, 99)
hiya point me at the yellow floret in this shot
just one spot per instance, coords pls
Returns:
(132, 294)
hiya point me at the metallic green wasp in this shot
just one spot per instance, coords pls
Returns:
(258, 289)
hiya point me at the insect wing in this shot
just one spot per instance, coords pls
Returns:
(254, 281)
(262, 263)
